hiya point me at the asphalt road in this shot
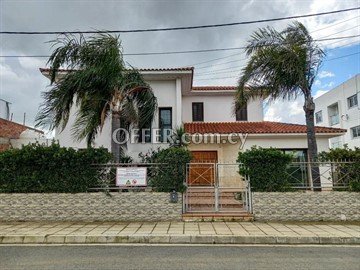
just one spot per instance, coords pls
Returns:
(179, 257)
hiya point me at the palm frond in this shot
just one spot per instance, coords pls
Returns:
(282, 64)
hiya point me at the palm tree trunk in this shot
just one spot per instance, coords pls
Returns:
(309, 108)
(115, 126)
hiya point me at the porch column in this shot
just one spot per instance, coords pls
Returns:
(178, 109)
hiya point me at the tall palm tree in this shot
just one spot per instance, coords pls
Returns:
(99, 85)
(283, 65)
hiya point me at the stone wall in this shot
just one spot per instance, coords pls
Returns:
(306, 206)
(132, 206)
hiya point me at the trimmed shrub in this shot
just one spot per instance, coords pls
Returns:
(349, 173)
(266, 169)
(170, 172)
(38, 168)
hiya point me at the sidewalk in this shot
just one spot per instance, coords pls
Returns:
(179, 232)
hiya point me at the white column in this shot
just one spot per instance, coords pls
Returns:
(178, 109)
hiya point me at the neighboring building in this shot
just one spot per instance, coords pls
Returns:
(204, 110)
(4, 109)
(340, 108)
(14, 135)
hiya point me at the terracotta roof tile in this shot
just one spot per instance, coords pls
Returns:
(12, 130)
(214, 88)
(253, 128)
(141, 69)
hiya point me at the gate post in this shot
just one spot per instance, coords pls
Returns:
(216, 187)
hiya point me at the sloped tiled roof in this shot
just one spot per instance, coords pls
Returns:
(264, 127)
(141, 69)
(12, 130)
(214, 88)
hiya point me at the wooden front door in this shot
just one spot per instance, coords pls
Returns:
(202, 168)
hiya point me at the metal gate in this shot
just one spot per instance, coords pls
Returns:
(216, 187)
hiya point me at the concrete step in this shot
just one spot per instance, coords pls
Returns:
(218, 216)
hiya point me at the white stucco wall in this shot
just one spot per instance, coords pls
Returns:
(348, 117)
(228, 153)
(220, 108)
(165, 91)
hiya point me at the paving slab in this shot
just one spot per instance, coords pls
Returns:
(179, 233)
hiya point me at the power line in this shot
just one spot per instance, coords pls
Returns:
(177, 52)
(228, 56)
(334, 24)
(230, 77)
(177, 28)
(215, 71)
(343, 56)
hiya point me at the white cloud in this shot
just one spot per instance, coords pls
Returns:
(320, 93)
(31, 63)
(317, 83)
(326, 74)
(286, 111)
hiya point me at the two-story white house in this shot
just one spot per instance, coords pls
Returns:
(208, 109)
(340, 108)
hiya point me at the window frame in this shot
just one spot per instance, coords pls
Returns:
(193, 104)
(357, 128)
(355, 99)
(171, 120)
(238, 113)
(316, 118)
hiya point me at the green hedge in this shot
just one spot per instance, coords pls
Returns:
(170, 172)
(37, 168)
(266, 168)
(348, 172)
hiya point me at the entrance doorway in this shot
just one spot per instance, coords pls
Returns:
(202, 170)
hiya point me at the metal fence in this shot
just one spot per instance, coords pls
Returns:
(329, 174)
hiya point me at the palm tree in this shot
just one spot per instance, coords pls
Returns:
(283, 65)
(99, 85)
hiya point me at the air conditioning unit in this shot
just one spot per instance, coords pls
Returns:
(345, 117)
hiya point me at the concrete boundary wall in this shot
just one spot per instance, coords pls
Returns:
(132, 206)
(306, 206)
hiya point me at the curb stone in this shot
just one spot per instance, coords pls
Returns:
(177, 239)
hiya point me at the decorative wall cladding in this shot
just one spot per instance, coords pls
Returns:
(306, 206)
(131, 206)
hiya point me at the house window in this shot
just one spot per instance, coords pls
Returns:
(241, 113)
(318, 117)
(333, 112)
(198, 111)
(336, 145)
(355, 132)
(165, 123)
(352, 101)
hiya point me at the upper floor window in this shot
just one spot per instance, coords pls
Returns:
(355, 132)
(198, 111)
(352, 101)
(165, 123)
(318, 117)
(241, 113)
(333, 111)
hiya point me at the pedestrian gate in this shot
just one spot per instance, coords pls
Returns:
(216, 187)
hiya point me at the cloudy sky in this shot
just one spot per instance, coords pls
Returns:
(21, 82)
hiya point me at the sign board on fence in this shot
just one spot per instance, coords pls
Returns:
(133, 177)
